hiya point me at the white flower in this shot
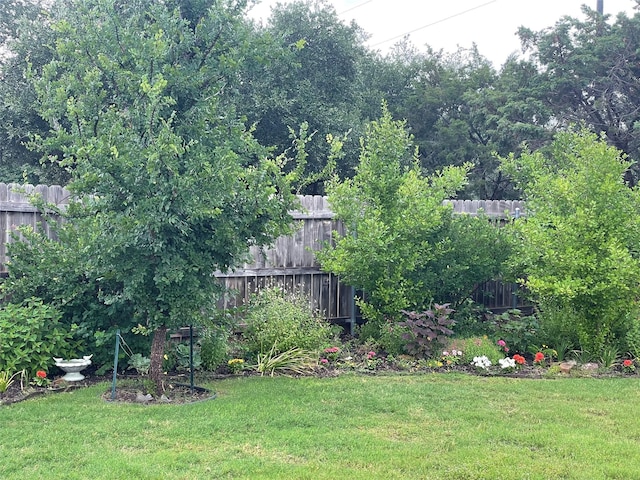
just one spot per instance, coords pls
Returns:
(507, 363)
(481, 362)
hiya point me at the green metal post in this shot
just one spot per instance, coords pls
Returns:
(191, 357)
(115, 365)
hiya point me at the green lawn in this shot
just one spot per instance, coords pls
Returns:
(431, 426)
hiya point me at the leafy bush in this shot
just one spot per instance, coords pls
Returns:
(518, 331)
(214, 347)
(403, 246)
(55, 271)
(280, 321)
(476, 347)
(633, 337)
(469, 319)
(30, 335)
(427, 330)
(182, 355)
(557, 325)
(139, 363)
(579, 245)
(468, 250)
(392, 337)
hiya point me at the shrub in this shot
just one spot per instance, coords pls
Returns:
(427, 330)
(394, 218)
(578, 246)
(214, 347)
(402, 244)
(557, 327)
(54, 271)
(469, 319)
(30, 335)
(139, 363)
(477, 347)
(518, 331)
(392, 337)
(633, 337)
(283, 321)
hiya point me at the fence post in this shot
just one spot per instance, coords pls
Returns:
(514, 286)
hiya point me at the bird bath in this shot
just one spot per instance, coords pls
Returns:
(73, 367)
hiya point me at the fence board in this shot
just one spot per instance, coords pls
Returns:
(289, 262)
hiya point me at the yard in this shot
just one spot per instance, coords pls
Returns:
(427, 426)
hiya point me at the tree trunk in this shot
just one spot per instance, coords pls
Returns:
(157, 355)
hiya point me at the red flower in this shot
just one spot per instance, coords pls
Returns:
(519, 359)
(539, 357)
(627, 363)
(41, 374)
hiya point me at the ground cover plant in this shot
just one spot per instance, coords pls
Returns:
(428, 426)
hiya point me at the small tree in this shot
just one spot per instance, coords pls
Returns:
(578, 248)
(398, 231)
(170, 186)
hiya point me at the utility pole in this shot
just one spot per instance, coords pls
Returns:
(600, 7)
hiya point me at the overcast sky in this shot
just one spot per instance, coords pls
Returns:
(447, 24)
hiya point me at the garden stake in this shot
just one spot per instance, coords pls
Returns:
(191, 357)
(115, 365)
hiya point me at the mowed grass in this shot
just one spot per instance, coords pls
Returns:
(430, 426)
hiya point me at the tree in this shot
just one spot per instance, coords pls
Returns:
(170, 185)
(577, 249)
(591, 73)
(24, 35)
(307, 72)
(459, 109)
(402, 245)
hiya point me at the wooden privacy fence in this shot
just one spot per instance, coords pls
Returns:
(290, 262)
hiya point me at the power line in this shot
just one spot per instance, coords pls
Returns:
(435, 23)
(354, 7)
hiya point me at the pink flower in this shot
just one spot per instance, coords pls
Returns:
(331, 350)
(370, 355)
(627, 363)
(502, 343)
(324, 361)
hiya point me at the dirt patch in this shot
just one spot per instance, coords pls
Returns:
(139, 392)
(18, 393)
(129, 389)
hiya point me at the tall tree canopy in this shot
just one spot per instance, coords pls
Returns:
(310, 74)
(591, 70)
(306, 66)
(460, 109)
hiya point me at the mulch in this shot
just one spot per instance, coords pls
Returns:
(129, 389)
